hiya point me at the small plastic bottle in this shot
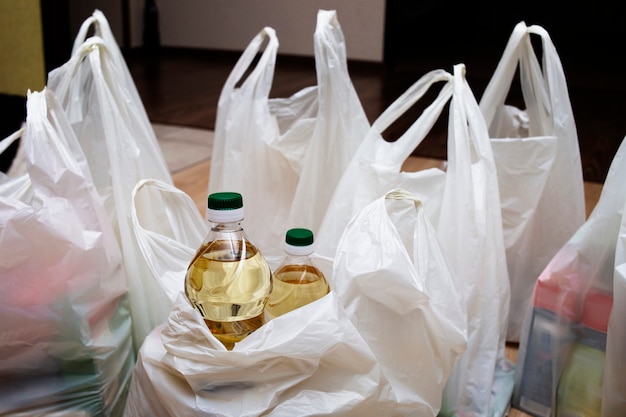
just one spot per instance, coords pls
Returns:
(228, 279)
(297, 281)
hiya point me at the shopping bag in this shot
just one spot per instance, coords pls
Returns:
(340, 125)
(65, 328)
(572, 302)
(538, 162)
(169, 230)
(308, 362)
(464, 206)
(614, 387)
(270, 150)
(121, 149)
(396, 286)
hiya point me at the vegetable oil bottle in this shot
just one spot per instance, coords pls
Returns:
(297, 281)
(228, 279)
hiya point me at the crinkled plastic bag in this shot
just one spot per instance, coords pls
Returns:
(270, 150)
(538, 162)
(397, 288)
(100, 99)
(590, 262)
(65, 327)
(614, 388)
(309, 362)
(463, 204)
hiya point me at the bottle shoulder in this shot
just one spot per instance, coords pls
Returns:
(225, 247)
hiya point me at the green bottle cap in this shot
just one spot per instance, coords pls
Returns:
(225, 201)
(299, 237)
(225, 207)
(299, 242)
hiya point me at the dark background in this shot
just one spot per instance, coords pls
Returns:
(182, 86)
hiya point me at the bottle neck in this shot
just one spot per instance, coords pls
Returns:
(226, 226)
(297, 259)
(226, 231)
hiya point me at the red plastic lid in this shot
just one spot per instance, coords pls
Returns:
(597, 310)
(550, 297)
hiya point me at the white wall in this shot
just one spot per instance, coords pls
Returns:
(231, 24)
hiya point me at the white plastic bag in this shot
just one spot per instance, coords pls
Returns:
(588, 263)
(375, 168)
(463, 204)
(270, 150)
(397, 288)
(614, 388)
(340, 126)
(65, 328)
(308, 362)
(169, 230)
(121, 149)
(538, 162)
(245, 157)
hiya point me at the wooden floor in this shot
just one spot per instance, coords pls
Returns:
(182, 87)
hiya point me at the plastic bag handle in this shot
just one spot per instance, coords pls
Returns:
(94, 43)
(467, 122)
(9, 140)
(329, 45)
(263, 73)
(82, 32)
(401, 194)
(101, 26)
(183, 205)
(413, 136)
(519, 51)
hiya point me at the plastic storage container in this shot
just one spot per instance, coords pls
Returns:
(297, 281)
(580, 386)
(550, 333)
(228, 279)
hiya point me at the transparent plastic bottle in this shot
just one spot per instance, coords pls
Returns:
(297, 281)
(228, 279)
